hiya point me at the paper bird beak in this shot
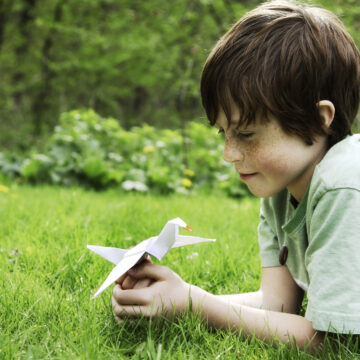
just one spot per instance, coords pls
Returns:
(187, 227)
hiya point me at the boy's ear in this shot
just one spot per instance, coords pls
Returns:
(327, 112)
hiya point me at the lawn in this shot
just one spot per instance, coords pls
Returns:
(48, 276)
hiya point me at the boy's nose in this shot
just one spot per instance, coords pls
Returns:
(232, 152)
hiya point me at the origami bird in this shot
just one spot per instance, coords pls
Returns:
(157, 246)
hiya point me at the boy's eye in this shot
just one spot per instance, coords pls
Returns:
(244, 135)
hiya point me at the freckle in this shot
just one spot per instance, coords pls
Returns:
(252, 149)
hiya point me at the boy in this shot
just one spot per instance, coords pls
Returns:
(283, 86)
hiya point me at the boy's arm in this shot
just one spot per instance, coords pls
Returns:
(264, 324)
(170, 295)
(278, 292)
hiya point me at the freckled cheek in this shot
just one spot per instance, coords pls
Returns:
(270, 163)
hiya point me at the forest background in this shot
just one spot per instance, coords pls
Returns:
(134, 62)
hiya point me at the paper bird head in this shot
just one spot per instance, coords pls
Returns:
(181, 223)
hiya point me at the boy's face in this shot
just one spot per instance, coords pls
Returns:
(267, 159)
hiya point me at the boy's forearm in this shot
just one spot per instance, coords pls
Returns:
(252, 299)
(264, 324)
(259, 300)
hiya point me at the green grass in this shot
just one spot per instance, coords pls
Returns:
(48, 275)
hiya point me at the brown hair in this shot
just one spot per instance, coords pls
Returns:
(284, 58)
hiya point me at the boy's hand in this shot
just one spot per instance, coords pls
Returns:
(168, 294)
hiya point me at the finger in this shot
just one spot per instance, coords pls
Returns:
(120, 280)
(148, 270)
(114, 303)
(142, 283)
(132, 296)
(118, 319)
(129, 282)
(116, 288)
(132, 283)
(134, 311)
(124, 311)
(119, 313)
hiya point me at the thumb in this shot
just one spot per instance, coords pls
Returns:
(149, 270)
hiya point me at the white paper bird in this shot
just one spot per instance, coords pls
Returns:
(157, 246)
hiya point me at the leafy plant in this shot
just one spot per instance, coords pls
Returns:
(97, 152)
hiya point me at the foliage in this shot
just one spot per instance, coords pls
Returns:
(97, 152)
(137, 61)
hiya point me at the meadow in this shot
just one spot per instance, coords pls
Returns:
(48, 276)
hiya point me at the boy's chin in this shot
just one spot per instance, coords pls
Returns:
(263, 193)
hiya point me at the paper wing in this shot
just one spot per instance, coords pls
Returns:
(183, 240)
(114, 255)
(121, 268)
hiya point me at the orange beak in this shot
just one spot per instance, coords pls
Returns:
(188, 228)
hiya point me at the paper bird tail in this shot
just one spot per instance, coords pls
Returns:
(183, 240)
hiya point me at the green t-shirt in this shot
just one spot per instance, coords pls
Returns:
(323, 238)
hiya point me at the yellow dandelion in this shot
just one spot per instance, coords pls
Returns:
(4, 189)
(186, 182)
(149, 149)
(189, 172)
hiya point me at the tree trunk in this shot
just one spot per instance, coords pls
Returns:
(26, 17)
(42, 99)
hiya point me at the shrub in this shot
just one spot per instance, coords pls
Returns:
(97, 152)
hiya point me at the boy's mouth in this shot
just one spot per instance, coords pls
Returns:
(248, 176)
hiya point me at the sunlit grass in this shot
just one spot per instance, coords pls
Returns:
(48, 276)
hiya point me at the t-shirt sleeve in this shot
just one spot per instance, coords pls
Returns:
(269, 247)
(333, 263)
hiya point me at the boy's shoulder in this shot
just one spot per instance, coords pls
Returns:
(340, 167)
